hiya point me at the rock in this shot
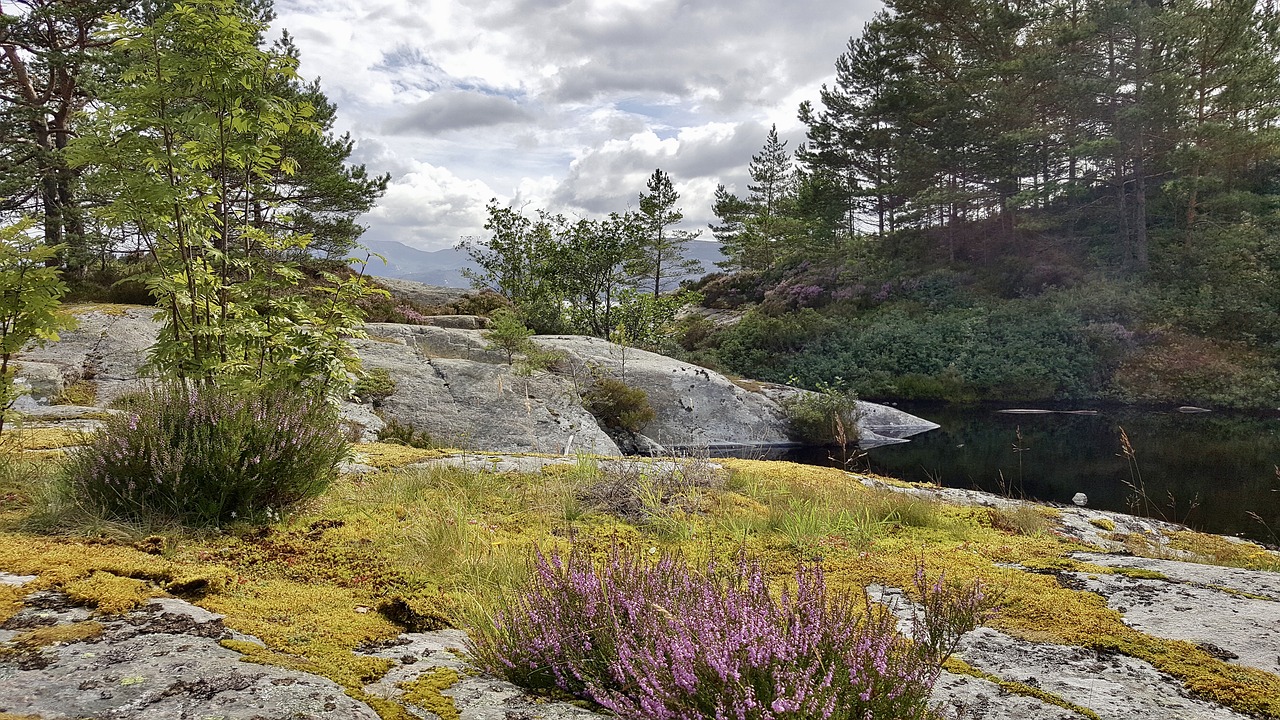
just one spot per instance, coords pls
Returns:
(423, 295)
(1234, 611)
(460, 322)
(158, 663)
(482, 405)
(451, 386)
(1115, 687)
(360, 422)
(1191, 410)
(475, 696)
(891, 422)
(1080, 499)
(42, 382)
(108, 347)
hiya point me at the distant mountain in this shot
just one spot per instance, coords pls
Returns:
(444, 267)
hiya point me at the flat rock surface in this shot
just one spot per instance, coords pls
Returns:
(1113, 686)
(483, 405)
(1192, 606)
(450, 385)
(161, 663)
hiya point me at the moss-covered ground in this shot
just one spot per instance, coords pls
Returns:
(413, 548)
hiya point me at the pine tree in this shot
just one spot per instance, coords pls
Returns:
(49, 51)
(663, 248)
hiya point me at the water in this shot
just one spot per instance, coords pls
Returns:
(1206, 470)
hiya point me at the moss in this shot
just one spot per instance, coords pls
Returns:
(445, 542)
(11, 600)
(81, 392)
(112, 309)
(425, 692)
(1103, 523)
(49, 438)
(1139, 573)
(960, 667)
(1218, 550)
(58, 635)
(388, 455)
(110, 593)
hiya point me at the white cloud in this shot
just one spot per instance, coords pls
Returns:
(564, 104)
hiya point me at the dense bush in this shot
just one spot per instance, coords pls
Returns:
(201, 456)
(618, 405)
(659, 641)
(828, 416)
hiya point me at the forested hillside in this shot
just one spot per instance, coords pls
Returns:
(1021, 201)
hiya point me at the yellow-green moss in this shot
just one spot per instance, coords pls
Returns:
(110, 593)
(1103, 523)
(1139, 573)
(1219, 550)
(10, 716)
(57, 635)
(425, 692)
(11, 597)
(447, 541)
(113, 309)
(81, 392)
(960, 667)
(387, 455)
(48, 438)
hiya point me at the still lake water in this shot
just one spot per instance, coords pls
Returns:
(1222, 463)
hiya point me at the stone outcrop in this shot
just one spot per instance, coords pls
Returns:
(449, 385)
(423, 295)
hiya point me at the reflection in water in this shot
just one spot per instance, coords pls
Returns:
(1206, 470)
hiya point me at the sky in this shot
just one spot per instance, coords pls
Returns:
(567, 105)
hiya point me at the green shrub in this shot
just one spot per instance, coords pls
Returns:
(202, 456)
(508, 334)
(828, 416)
(374, 385)
(398, 433)
(618, 405)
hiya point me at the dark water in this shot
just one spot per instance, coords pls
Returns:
(1206, 470)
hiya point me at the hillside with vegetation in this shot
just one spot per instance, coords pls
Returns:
(1032, 201)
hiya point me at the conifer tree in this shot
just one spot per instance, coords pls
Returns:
(663, 247)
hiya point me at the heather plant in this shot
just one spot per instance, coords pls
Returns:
(658, 640)
(202, 456)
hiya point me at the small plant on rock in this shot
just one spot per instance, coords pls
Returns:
(618, 405)
(202, 456)
(374, 385)
(508, 335)
(826, 417)
(661, 641)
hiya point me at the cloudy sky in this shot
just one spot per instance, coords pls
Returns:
(563, 104)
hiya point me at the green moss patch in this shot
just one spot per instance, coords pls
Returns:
(425, 692)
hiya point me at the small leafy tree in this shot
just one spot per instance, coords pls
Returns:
(189, 147)
(30, 293)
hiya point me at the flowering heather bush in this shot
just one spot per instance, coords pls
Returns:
(203, 456)
(659, 641)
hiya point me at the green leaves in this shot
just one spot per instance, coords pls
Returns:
(189, 146)
(30, 297)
